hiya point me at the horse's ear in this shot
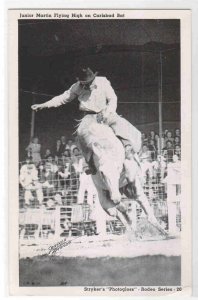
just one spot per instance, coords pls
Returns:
(96, 149)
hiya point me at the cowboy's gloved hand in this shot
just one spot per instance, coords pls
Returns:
(37, 107)
(100, 117)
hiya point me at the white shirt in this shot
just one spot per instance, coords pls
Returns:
(28, 174)
(71, 148)
(98, 97)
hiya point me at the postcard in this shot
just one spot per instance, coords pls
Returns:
(99, 152)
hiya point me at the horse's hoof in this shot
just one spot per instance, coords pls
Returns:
(121, 207)
(161, 230)
(132, 236)
(139, 237)
(171, 236)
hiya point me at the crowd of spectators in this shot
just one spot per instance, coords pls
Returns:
(61, 149)
(169, 143)
(58, 171)
(156, 153)
(53, 174)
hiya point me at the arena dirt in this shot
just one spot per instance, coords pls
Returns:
(156, 270)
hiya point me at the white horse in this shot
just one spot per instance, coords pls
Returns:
(98, 142)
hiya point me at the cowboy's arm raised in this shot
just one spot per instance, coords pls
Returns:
(64, 98)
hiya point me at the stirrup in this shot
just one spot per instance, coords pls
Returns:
(91, 167)
(91, 171)
(88, 172)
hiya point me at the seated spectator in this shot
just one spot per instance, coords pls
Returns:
(64, 175)
(145, 161)
(63, 144)
(144, 138)
(152, 149)
(76, 152)
(152, 135)
(70, 145)
(177, 140)
(66, 156)
(169, 137)
(145, 154)
(49, 172)
(165, 132)
(178, 151)
(47, 153)
(65, 169)
(30, 181)
(159, 167)
(34, 149)
(57, 151)
(168, 151)
(177, 132)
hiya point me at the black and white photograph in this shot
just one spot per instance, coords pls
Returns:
(100, 202)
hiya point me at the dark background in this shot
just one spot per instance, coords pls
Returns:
(125, 51)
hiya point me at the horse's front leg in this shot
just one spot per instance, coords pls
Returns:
(118, 211)
(131, 233)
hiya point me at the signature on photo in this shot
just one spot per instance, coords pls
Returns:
(56, 247)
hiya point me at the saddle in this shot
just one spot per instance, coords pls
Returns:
(86, 126)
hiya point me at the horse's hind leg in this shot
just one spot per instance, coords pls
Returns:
(142, 199)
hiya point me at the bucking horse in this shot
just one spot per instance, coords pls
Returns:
(99, 143)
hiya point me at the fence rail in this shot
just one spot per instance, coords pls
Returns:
(57, 198)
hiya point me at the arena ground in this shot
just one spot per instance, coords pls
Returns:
(111, 260)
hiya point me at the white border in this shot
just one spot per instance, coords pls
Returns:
(185, 21)
(127, 4)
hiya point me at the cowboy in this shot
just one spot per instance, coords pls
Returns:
(96, 96)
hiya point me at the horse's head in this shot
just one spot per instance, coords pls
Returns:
(109, 168)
